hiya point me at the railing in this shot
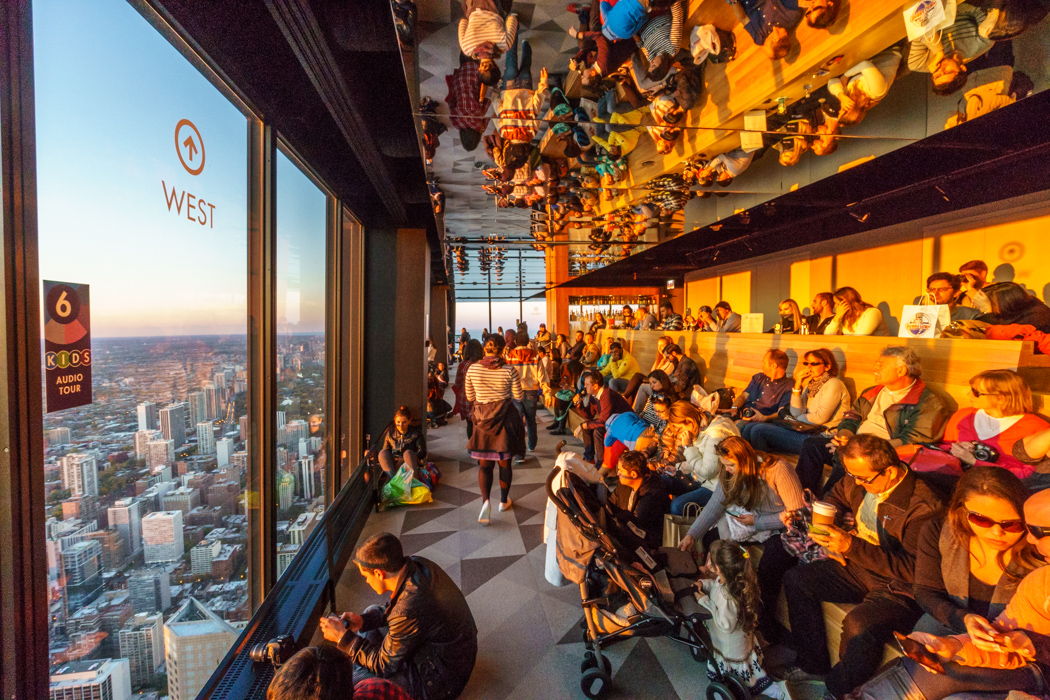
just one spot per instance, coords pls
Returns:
(302, 593)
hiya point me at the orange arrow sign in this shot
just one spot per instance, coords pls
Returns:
(190, 146)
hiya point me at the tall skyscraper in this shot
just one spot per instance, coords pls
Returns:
(125, 516)
(162, 536)
(285, 490)
(83, 567)
(295, 430)
(150, 590)
(206, 438)
(142, 644)
(142, 439)
(148, 415)
(285, 554)
(211, 397)
(198, 407)
(98, 678)
(195, 640)
(221, 380)
(173, 423)
(223, 451)
(59, 436)
(306, 478)
(281, 419)
(243, 424)
(79, 473)
(160, 453)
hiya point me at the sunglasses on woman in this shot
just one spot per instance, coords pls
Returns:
(1011, 526)
(812, 364)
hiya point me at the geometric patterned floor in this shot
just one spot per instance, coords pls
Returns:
(530, 644)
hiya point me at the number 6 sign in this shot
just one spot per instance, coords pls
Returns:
(67, 345)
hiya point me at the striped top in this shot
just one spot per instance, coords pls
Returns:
(656, 37)
(484, 385)
(962, 36)
(483, 26)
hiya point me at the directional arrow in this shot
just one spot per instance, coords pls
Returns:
(190, 146)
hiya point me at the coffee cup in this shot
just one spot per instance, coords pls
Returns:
(824, 513)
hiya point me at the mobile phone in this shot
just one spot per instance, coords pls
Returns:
(817, 530)
(919, 653)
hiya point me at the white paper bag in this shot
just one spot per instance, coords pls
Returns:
(925, 17)
(924, 321)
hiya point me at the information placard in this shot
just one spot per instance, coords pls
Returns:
(67, 345)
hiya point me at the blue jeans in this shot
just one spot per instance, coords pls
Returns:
(775, 438)
(700, 497)
(518, 75)
(528, 409)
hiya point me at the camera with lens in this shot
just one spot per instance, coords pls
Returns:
(985, 453)
(276, 651)
(747, 412)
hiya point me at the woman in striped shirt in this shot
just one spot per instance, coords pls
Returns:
(492, 386)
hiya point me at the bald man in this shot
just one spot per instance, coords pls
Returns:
(1012, 652)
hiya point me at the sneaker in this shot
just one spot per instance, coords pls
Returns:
(559, 446)
(504, 507)
(485, 510)
(794, 674)
(520, 459)
(559, 431)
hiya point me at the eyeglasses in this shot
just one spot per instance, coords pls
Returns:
(1039, 532)
(812, 364)
(932, 290)
(978, 394)
(1011, 526)
(865, 481)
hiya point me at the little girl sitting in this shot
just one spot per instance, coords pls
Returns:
(732, 596)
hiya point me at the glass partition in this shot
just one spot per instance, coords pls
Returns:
(301, 426)
(142, 175)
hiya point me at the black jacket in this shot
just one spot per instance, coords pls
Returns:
(431, 640)
(1035, 313)
(645, 511)
(398, 444)
(901, 518)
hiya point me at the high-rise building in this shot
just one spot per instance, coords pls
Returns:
(150, 590)
(240, 460)
(80, 507)
(82, 565)
(79, 473)
(114, 553)
(206, 438)
(306, 478)
(142, 644)
(162, 536)
(148, 415)
(202, 554)
(198, 407)
(173, 423)
(285, 554)
(211, 398)
(142, 440)
(300, 530)
(183, 499)
(285, 490)
(223, 451)
(281, 419)
(294, 431)
(98, 678)
(195, 640)
(59, 436)
(242, 422)
(160, 452)
(125, 516)
(221, 380)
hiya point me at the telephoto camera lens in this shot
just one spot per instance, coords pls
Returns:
(748, 412)
(276, 651)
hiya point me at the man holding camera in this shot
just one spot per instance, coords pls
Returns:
(430, 640)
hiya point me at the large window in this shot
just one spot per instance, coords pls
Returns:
(142, 172)
(301, 420)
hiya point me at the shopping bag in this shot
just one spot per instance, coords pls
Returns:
(926, 16)
(403, 489)
(576, 419)
(924, 320)
(677, 526)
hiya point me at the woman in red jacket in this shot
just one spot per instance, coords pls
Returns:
(1000, 415)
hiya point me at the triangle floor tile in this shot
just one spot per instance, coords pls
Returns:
(476, 572)
(641, 675)
(421, 516)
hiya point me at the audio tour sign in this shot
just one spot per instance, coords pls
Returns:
(67, 345)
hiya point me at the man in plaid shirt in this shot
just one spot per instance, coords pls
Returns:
(464, 104)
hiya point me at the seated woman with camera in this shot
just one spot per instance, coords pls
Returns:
(1000, 416)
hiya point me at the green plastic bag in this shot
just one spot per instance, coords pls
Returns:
(403, 490)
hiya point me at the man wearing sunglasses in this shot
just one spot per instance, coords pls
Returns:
(871, 567)
(899, 408)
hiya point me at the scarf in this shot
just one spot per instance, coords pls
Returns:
(814, 385)
(494, 362)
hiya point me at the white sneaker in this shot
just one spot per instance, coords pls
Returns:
(504, 507)
(485, 510)
(520, 459)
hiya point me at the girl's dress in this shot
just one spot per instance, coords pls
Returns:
(733, 650)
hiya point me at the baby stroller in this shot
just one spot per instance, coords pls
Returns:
(626, 593)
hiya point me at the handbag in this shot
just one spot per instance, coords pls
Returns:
(677, 527)
(930, 460)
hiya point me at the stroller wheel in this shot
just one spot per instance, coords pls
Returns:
(719, 691)
(739, 688)
(590, 661)
(595, 683)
